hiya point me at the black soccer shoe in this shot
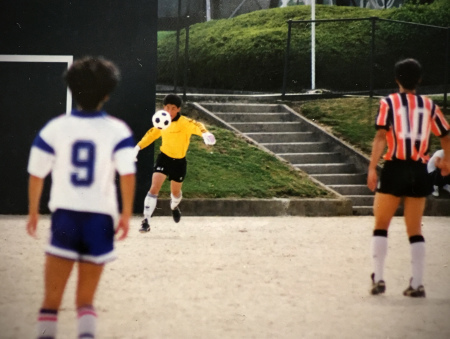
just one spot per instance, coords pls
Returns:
(145, 227)
(176, 214)
(419, 292)
(377, 287)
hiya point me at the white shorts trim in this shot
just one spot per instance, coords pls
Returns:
(71, 255)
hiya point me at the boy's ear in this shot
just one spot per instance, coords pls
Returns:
(102, 102)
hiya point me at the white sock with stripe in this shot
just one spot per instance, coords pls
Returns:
(87, 322)
(150, 205)
(47, 321)
(175, 201)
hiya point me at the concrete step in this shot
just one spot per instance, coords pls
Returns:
(363, 206)
(341, 178)
(311, 157)
(255, 117)
(263, 137)
(325, 168)
(258, 108)
(279, 127)
(361, 200)
(368, 210)
(296, 147)
(362, 210)
(352, 189)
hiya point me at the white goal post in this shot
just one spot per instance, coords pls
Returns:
(68, 59)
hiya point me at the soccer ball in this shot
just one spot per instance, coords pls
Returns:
(161, 119)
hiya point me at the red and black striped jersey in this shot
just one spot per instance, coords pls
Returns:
(409, 120)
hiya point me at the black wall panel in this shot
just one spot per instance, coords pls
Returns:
(32, 93)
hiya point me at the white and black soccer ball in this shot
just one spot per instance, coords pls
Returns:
(161, 119)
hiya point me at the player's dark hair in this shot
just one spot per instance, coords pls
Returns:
(172, 99)
(90, 79)
(408, 73)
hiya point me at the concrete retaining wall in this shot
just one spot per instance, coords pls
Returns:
(258, 207)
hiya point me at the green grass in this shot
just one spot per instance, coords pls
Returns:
(352, 119)
(233, 168)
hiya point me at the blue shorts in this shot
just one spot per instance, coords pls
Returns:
(82, 236)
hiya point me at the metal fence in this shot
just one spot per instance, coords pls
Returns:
(384, 42)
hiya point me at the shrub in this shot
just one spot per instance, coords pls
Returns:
(248, 52)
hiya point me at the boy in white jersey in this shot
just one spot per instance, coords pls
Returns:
(82, 151)
(439, 181)
(171, 162)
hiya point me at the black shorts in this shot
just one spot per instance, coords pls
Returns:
(438, 179)
(405, 178)
(174, 169)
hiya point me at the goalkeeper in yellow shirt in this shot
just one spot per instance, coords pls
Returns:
(171, 161)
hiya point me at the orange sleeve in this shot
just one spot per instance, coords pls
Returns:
(382, 116)
(439, 125)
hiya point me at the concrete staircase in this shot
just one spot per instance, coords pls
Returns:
(304, 144)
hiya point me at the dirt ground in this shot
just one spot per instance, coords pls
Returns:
(239, 277)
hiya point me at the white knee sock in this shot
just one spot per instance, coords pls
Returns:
(87, 321)
(47, 321)
(379, 252)
(149, 205)
(417, 260)
(174, 201)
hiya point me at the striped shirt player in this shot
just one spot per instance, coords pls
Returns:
(83, 151)
(409, 119)
(404, 124)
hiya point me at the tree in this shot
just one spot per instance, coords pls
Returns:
(274, 3)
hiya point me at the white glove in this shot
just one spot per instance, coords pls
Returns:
(209, 138)
(136, 151)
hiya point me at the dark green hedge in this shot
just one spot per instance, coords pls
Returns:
(248, 52)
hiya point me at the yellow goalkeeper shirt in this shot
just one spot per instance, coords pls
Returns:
(175, 138)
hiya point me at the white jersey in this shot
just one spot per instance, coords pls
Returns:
(83, 151)
(431, 165)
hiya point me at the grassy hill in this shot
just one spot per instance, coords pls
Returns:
(352, 119)
(233, 168)
(247, 52)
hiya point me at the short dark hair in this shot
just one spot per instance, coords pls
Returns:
(90, 80)
(408, 73)
(172, 99)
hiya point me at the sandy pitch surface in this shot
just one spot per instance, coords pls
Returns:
(239, 277)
